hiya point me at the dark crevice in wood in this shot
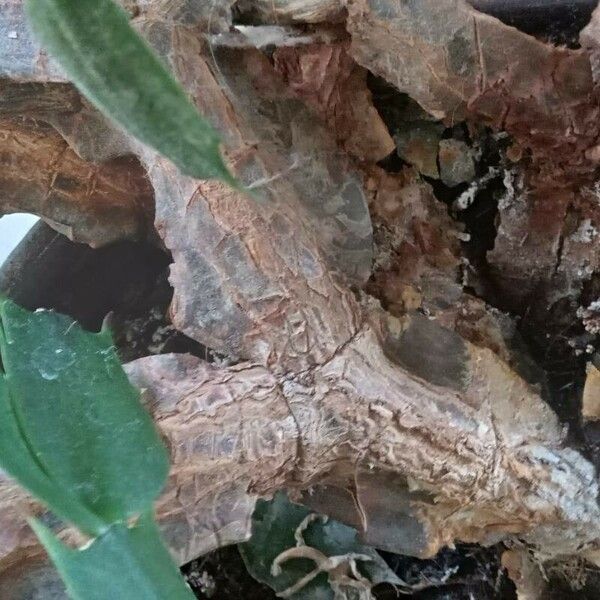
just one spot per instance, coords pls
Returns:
(128, 281)
(556, 21)
(546, 339)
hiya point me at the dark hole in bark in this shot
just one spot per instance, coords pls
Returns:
(129, 280)
(557, 21)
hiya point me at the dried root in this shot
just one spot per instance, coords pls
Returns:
(342, 572)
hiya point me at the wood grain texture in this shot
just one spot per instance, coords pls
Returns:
(331, 389)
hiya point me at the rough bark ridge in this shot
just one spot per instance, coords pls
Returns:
(422, 417)
(88, 202)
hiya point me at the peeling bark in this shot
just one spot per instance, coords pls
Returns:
(461, 64)
(331, 83)
(457, 62)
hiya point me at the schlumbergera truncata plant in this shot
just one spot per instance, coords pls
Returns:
(381, 218)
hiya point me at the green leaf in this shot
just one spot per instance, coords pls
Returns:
(17, 459)
(119, 73)
(73, 422)
(124, 563)
(273, 526)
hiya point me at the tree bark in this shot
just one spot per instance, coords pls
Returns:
(423, 417)
(88, 202)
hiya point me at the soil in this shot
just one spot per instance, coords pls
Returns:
(222, 575)
(467, 573)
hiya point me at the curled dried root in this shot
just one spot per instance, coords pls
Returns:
(342, 572)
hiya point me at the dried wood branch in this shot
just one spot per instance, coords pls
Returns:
(268, 269)
(399, 411)
(477, 463)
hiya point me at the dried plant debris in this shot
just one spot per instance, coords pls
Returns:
(290, 11)
(418, 144)
(458, 63)
(305, 556)
(572, 579)
(417, 243)
(590, 409)
(590, 317)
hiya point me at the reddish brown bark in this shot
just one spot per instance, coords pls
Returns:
(93, 203)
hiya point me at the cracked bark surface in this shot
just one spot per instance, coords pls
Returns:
(330, 82)
(341, 426)
(461, 64)
(426, 418)
(88, 202)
